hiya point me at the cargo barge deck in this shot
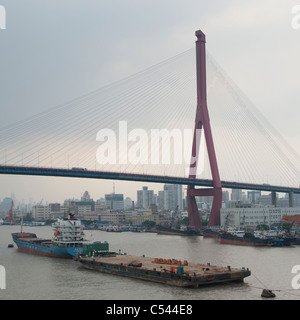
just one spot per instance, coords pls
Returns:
(164, 271)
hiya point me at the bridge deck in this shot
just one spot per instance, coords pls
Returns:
(89, 174)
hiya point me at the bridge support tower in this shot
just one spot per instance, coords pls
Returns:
(202, 123)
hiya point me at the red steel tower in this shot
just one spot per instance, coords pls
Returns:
(202, 122)
(10, 214)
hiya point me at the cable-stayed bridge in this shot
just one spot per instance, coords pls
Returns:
(143, 128)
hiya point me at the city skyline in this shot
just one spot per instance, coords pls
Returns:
(170, 197)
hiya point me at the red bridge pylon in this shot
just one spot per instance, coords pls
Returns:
(202, 122)
(10, 217)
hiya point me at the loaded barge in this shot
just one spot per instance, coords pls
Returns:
(170, 272)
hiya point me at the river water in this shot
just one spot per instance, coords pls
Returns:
(34, 277)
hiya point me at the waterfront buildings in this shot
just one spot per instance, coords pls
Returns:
(252, 215)
(254, 207)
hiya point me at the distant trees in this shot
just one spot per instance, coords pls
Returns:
(262, 227)
(149, 224)
(287, 227)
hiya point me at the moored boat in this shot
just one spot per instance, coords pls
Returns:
(68, 240)
(179, 232)
(245, 240)
(113, 229)
(258, 238)
(210, 233)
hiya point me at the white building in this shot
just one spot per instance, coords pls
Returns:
(52, 211)
(84, 210)
(41, 212)
(253, 216)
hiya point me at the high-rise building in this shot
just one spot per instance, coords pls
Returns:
(161, 200)
(145, 198)
(171, 198)
(236, 195)
(225, 196)
(128, 203)
(114, 201)
(253, 196)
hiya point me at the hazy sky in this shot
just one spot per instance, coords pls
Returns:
(52, 51)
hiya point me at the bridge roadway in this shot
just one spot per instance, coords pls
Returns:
(89, 174)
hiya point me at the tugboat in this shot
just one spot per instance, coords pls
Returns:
(269, 238)
(239, 237)
(68, 240)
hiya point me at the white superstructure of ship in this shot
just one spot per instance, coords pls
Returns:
(68, 231)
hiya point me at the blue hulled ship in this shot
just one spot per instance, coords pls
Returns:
(67, 242)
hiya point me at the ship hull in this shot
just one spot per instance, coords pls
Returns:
(245, 242)
(40, 252)
(210, 234)
(46, 248)
(179, 232)
(252, 241)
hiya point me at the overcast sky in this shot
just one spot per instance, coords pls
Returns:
(52, 51)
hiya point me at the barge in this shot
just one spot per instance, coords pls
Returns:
(178, 232)
(170, 272)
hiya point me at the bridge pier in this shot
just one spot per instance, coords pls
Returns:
(291, 199)
(274, 198)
